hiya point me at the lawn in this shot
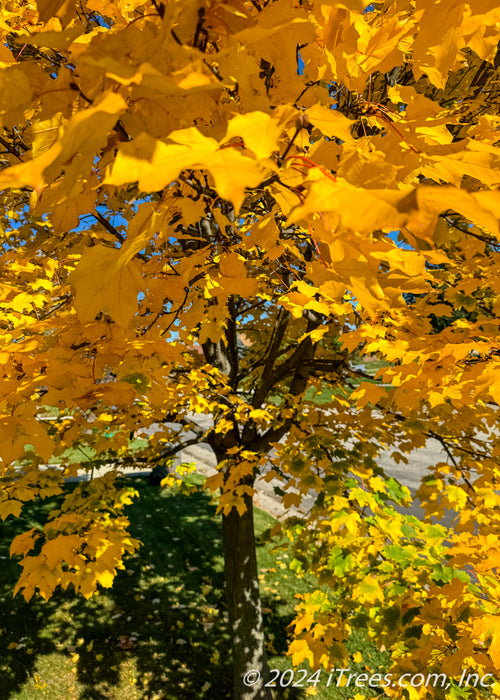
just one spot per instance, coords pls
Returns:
(160, 632)
(324, 394)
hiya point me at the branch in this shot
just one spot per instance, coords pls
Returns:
(159, 7)
(56, 307)
(308, 85)
(177, 312)
(453, 220)
(246, 309)
(299, 357)
(442, 440)
(10, 149)
(446, 447)
(111, 229)
(194, 427)
(305, 355)
(262, 360)
(216, 354)
(198, 187)
(268, 376)
(174, 449)
(301, 365)
(114, 232)
(456, 465)
(232, 343)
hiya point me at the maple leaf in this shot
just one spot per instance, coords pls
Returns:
(154, 163)
(65, 10)
(331, 122)
(260, 132)
(358, 210)
(489, 626)
(103, 282)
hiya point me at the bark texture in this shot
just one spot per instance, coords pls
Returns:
(244, 606)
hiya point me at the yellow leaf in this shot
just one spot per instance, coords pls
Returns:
(155, 164)
(232, 265)
(10, 507)
(359, 209)
(489, 626)
(229, 500)
(105, 578)
(368, 393)
(22, 544)
(331, 122)
(105, 417)
(368, 590)
(291, 498)
(38, 683)
(65, 10)
(32, 172)
(85, 133)
(61, 548)
(479, 207)
(259, 131)
(103, 283)
(56, 39)
(215, 481)
(300, 651)
(15, 90)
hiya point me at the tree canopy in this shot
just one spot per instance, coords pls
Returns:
(215, 208)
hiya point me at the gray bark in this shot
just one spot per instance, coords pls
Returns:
(244, 606)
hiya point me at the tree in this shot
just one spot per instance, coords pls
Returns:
(210, 208)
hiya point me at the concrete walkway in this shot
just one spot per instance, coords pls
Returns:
(409, 475)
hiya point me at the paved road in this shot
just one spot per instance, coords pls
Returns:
(408, 474)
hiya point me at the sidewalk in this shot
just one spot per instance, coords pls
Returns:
(409, 475)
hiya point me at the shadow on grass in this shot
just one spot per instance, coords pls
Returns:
(160, 632)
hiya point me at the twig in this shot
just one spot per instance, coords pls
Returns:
(109, 227)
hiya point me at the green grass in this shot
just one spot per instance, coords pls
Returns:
(76, 455)
(160, 632)
(324, 395)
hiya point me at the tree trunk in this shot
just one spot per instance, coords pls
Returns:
(244, 607)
